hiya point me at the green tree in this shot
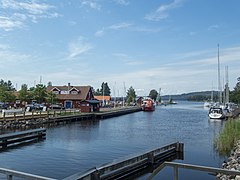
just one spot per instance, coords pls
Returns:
(6, 91)
(24, 94)
(39, 93)
(49, 83)
(235, 94)
(153, 94)
(97, 92)
(6, 96)
(105, 90)
(51, 97)
(7, 85)
(131, 95)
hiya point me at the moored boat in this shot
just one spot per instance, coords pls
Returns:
(148, 105)
(216, 113)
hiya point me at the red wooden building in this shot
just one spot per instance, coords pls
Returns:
(80, 97)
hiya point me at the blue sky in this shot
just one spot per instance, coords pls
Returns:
(146, 44)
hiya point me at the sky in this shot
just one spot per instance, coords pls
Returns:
(146, 44)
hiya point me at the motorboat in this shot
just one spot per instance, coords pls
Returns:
(148, 105)
(216, 113)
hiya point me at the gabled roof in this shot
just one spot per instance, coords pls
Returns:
(73, 88)
(55, 88)
(84, 90)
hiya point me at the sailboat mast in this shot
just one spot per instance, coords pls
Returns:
(227, 87)
(219, 79)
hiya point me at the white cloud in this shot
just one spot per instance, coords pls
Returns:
(8, 24)
(99, 33)
(120, 26)
(91, 3)
(12, 57)
(78, 47)
(128, 60)
(4, 47)
(196, 73)
(17, 13)
(30, 6)
(148, 30)
(162, 11)
(213, 27)
(122, 2)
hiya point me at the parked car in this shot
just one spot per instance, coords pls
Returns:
(3, 105)
(56, 106)
(34, 106)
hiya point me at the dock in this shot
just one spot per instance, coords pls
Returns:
(23, 137)
(116, 112)
(64, 116)
(134, 166)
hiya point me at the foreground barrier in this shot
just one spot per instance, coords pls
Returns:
(207, 169)
(18, 138)
(128, 167)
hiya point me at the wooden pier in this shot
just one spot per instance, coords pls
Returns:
(19, 138)
(117, 112)
(133, 166)
(64, 116)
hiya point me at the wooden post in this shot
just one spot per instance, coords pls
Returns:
(4, 114)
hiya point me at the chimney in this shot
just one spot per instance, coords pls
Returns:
(69, 86)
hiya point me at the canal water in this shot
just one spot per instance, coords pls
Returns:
(79, 146)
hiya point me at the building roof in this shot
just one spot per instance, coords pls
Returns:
(84, 90)
(100, 98)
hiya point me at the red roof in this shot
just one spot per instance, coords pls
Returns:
(100, 98)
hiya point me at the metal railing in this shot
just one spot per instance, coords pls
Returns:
(132, 164)
(176, 166)
(12, 173)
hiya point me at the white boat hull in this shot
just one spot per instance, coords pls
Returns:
(216, 113)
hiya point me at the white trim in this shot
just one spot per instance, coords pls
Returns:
(74, 88)
(55, 88)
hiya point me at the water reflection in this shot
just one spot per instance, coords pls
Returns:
(79, 146)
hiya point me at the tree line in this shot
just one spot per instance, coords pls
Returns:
(39, 94)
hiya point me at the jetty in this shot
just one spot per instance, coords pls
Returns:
(22, 137)
(134, 166)
(17, 120)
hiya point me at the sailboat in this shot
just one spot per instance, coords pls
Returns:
(217, 111)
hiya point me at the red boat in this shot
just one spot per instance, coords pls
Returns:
(148, 105)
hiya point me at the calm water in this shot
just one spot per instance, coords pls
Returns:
(79, 146)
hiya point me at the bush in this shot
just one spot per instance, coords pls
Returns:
(227, 137)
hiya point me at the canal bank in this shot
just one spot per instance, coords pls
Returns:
(65, 116)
